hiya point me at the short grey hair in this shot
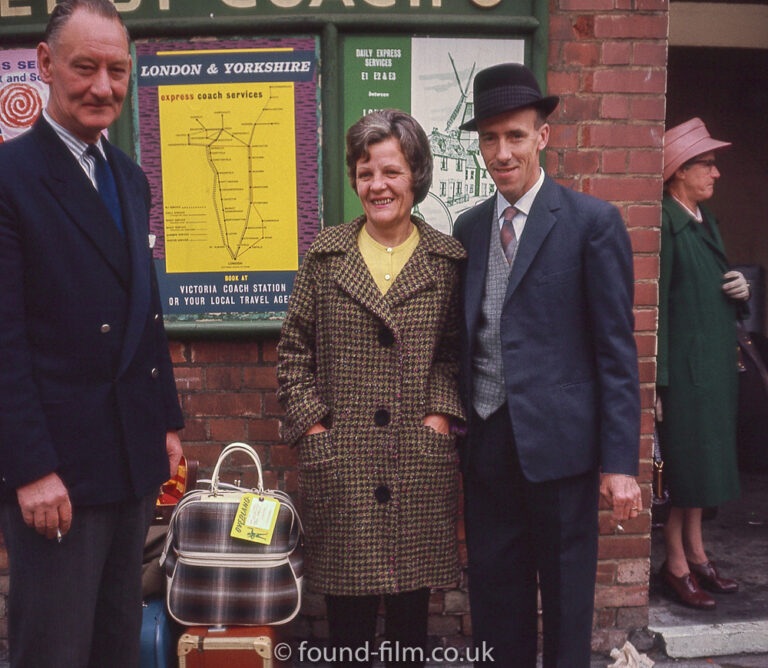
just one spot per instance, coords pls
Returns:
(64, 10)
(381, 125)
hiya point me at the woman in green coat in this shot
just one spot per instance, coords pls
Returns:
(699, 302)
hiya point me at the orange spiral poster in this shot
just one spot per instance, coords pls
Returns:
(22, 94)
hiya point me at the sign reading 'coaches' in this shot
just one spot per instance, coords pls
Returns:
(34, 11)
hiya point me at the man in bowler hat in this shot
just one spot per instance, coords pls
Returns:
(89, 406)
(549, 377)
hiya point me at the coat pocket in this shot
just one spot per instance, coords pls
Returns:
(321, 490)
(559, 277)
(316, 450)
(433, 444)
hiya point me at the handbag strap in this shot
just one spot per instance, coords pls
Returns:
(226, 452)
(193, 495)
(745, 342)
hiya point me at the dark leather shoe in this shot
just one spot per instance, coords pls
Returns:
(711, 580)
(686, 589)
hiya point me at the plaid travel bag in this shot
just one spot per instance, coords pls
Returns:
(214, 578)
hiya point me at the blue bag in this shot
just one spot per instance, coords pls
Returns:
(158, 646)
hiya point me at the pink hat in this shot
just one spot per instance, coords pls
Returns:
(686, 141)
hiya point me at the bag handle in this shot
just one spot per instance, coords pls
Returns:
(231, 448)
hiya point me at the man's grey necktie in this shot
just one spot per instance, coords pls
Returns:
(508, 238)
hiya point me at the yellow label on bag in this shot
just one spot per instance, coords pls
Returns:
(255, 519)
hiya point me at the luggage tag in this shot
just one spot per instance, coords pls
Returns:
(255, 519)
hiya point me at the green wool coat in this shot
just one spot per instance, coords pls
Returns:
(378, 489)
(697, 360)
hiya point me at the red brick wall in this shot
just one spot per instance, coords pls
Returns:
(227, 391)
(607, 61)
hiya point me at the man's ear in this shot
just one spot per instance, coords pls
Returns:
(543, 136)
(44, 61)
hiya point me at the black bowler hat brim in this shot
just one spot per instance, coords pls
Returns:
(504, 88)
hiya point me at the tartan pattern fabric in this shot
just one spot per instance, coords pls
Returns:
(216, 579)
(378, 489)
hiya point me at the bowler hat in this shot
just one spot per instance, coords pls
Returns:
(506, 87)
(686, 141)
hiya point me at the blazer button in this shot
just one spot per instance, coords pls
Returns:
(381, 417)
(382, 494)
(386, 337)
(105, 328)
(157, 317)
(154, 373)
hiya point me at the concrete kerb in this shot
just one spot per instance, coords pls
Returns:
(704, 640)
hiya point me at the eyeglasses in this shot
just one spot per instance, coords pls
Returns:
(707, 164)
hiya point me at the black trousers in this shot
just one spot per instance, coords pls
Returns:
(520, 534)
(77, 603)
(352, 626)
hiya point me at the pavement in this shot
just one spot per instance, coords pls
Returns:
(737, 540)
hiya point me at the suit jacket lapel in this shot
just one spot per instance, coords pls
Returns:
(129, 189)
(540, 221)
(477, 264)
(81, 201)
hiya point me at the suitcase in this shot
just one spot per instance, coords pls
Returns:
(229, 647)
(157, 637)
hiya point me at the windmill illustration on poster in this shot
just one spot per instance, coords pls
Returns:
(443, 72)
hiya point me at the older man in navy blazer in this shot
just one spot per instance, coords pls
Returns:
(549, 376)
(89, 406)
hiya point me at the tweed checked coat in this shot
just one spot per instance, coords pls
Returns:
(378, 489)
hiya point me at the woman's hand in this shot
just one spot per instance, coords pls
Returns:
(440, 423)
(658, 408)
(736, 286)
(316, 428)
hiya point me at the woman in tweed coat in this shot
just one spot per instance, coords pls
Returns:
(368, 382)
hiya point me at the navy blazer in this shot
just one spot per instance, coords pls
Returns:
(569, 354)
(86, 381)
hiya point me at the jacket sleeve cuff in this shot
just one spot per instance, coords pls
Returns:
(625, 463)
(30, 472)
(443, 397)
(301, 417)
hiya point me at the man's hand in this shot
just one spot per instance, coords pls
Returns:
(736, 286)
(440, 423)
(623, 494)
(45, 505)
(173, 448)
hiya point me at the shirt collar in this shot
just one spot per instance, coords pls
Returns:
(76, 145)
(524, 204)
(696, 215)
